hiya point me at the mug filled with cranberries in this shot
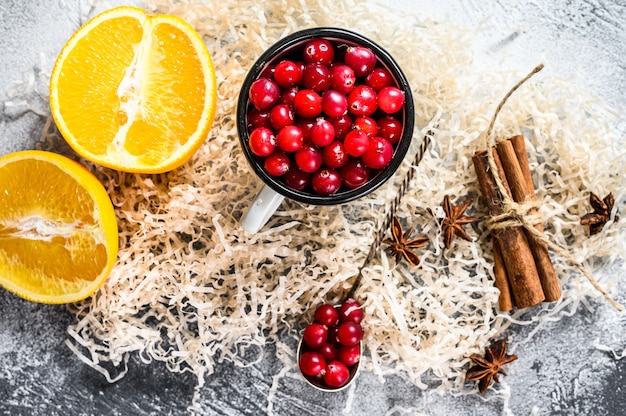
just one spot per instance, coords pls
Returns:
(325, 116)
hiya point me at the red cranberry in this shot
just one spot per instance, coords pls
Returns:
(390, 99)
(334, 103)
(289, 139)
(288, 96)
(277, 164)
(322, 133)
(354, 173)
(361, 59)
(312, 363)
(281, 115)
(320, 51)
(264, 93)
(262, 141)
(326, 181)
(378, 154)
(336, 374)
(316, 77)
(309, 158)
(348, 355)
(296, 179)
(379, 78)
(367, 125)
(328, 351)
(334, 155)
(305, 124)
(258, 118)
(351, 310)
(390, 128)
(342, 78)
(356, 142)
(362, 100)
(307, 103)
(342, 125)
(315, 335)
(267, 72)
(349, 333)
(326, 314)
(287, 74)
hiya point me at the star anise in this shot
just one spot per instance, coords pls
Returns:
(401, 246)
(601, 213)
(488, 367)
(455, 219)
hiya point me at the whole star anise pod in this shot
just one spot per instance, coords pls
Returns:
(488, 367)
(455, 219)
(401, 246)
(601, 213)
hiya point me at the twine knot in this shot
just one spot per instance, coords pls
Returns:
(516, 214)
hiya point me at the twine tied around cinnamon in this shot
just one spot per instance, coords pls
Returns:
(525, 214)
(514, 213)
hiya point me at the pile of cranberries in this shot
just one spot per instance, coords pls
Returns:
(331, 346)
(327, 118)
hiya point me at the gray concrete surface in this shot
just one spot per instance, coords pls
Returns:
(564, 374)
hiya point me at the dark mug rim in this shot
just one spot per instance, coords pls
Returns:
(282, 48)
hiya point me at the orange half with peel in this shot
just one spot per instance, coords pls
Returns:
(133, 91)
(58, 231)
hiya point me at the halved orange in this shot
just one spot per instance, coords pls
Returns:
(133, 91)
(58, 231)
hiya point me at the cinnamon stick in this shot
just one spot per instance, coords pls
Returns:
(505, 301)
(522, 189)
(519, 145)
(512, 241)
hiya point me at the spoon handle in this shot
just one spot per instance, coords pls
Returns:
(393, 207)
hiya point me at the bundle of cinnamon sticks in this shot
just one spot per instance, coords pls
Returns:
(523, 271)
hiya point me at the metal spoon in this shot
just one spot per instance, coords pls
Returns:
(375, 246)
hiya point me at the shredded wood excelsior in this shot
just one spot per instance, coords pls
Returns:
(191, 289)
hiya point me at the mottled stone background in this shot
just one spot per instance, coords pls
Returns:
(562, 373)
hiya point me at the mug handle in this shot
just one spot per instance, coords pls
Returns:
(265, 204)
